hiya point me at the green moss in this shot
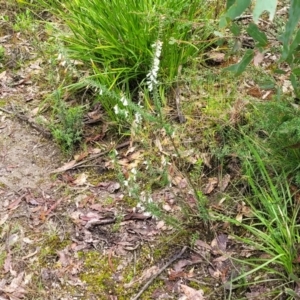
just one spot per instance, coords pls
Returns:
(206, 288)
(49, 247)
(3, 103)
(148, 294)
(2, 258)
(96, 178)
(131, 202)
(108, 201)
(117, 225)
(98, 275)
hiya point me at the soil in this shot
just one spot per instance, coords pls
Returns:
(26, 157)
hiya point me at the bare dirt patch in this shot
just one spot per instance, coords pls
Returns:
(26, 157)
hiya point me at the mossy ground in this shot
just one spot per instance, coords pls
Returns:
(101, 273)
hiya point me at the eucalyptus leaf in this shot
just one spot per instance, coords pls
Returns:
(229, 3)
(293, 49)
(264, 5)
(291, 293)
(296, 71)
(279, 71)
(235, 29)
(257, 35)
(235, 10)
(294, 17)
(239, 68)
(295, 84)
(267, 84)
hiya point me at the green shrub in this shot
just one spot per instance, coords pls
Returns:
(67, 126)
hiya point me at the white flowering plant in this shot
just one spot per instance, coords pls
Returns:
(115, 41)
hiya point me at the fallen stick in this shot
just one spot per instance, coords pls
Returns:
(180, 115)
(26, 119)
(63, 169)
(6, 111)
(144, 288)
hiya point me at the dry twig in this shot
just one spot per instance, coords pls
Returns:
(29, 121)
(148, 283)
(83, 162)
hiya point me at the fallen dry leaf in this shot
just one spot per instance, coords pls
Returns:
(181, 264)
(97, 206)
(34, 112)
(247, 212)
(243, 211)
(258, 58)
(239, 218)
(16, 289)
(223, 184)
(215, 273)
(2, 75)
(81, 179)
(211, 185)
(287, 86)
(191, 294)
(202, 245)
(206, 157)
(145, 275)
(64, 257)
(3, 219)
(80, 156)
(167, 207)
(160, 224)
(65, 167)
(15, 204)
(215, 57)
(95, 150)
(176, 275)
(110, 186)
(219, 244)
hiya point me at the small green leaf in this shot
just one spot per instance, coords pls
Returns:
(257, 35)
(267, 84)
(295, 84)
(235, 29)
(235, 10)
(291, 293)
(218, 34)
(239, 68)
(296, 41)
(294, 17)
(296, 71)
(294, 277)
(264, 5)
(293, 49)
(236, 46)
(229, 3)
(279, 71)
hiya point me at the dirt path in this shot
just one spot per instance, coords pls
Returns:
(26, 157)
